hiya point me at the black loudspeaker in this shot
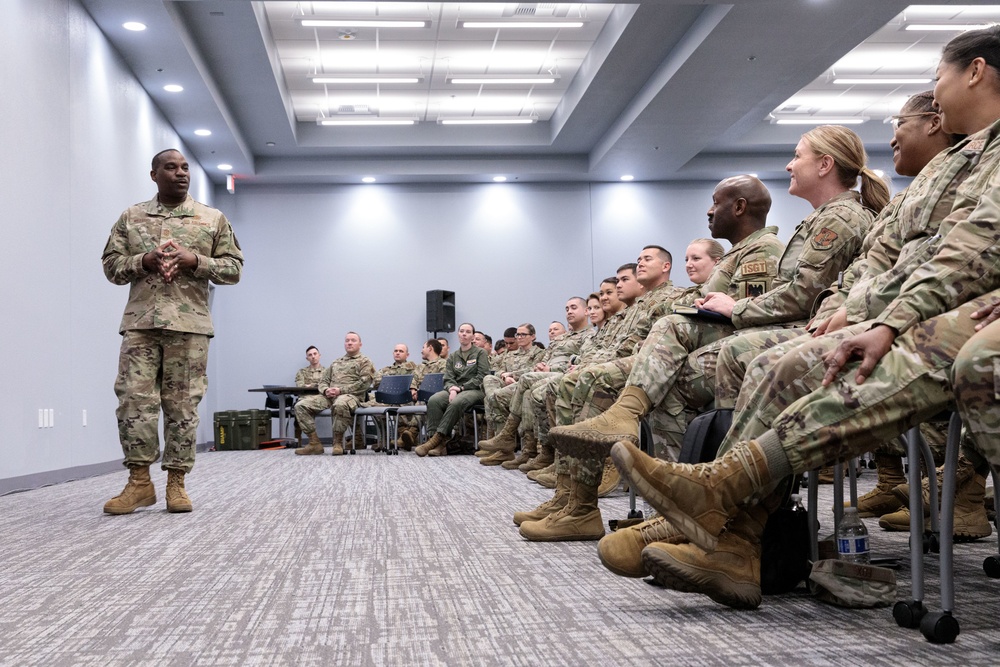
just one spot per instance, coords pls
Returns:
(440, 310)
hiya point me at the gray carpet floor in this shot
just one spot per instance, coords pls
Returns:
(377, 560)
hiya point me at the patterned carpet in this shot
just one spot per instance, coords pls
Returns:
(377, 560)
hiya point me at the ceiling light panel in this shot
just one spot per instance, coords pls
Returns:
(441, 51)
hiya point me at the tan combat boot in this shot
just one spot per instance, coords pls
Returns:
(579, 520)
(529, 448)
(730, 575)
(407, 438)
(177, 497)
(621, 551)
(432, 442)
(314, 447)
(545, 477)
(505, 439)
(496, 458)
(970, 523)
(618, 423)
(138, 492)
(338, 444)
(696, 499)
(553, 504)
(881, 500)
(610, 479)
(545, 457)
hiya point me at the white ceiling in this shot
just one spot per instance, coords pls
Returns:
(659, 89)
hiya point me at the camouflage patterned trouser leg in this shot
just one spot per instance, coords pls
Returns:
(537, 403)
(160, 370)
(665, 351)
(497, 403)
(598, 386)
(523, 404)
(306, 410)
(976, 381)
(735, 354)
(908, 386)
(343, 412)
(562, 397)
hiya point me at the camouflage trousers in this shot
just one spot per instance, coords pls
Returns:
(341, 408)
(975, 377)
(823, 425)
(442, 415)
(538, 403)
(523, 403)
(497, 400)
(589, 391)
(160, 370)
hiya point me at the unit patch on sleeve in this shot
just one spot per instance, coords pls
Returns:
(824, 239)
(755, 288)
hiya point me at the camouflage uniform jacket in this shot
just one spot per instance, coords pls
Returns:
(308, 376)
(352, 375)
(962, 261)
(467, 369)
(436, 366)
(561, 350)
(647, 309)
(822, 246)
(836, 295)
(404, 368)
(749, 268)
(517, 362)
(181, 305)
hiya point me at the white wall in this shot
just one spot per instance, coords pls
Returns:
(78, 134)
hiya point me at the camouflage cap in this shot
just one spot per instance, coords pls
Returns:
(852, 585)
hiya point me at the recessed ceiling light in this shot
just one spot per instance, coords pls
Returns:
(270, 143)
(203, 133)
(359, 23)
(368, 179)
(520, 24)
(173, 88)
(134, 26)
(628, 177)
(224, 167)
(499, 179)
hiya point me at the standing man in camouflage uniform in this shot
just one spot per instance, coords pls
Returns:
(307, 377)
(167, 249)
(433, 362)
(342, 388)
(555, 360)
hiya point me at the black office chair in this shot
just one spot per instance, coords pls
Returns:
(430, 385)
(392, 392)
(272, 403)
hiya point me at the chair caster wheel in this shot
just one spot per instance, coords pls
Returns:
(635, 514)
(908, 613)
(353, 452)
(939, 628)
(991, 566)
(933, 543)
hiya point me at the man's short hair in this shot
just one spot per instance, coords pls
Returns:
(630, 266)
(355, 333)
(489, 339)
(158, 158)
(435, 345)
(510, 332)
(500, 345)
(311, 347)
(664, 253)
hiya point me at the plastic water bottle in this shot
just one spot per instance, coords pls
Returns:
(852, 538)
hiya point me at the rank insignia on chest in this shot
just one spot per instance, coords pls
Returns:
(754, 268)
(825, 238)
